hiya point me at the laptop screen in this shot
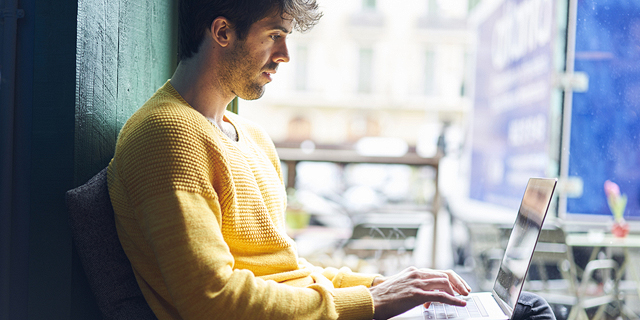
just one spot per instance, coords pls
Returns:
(522, 242)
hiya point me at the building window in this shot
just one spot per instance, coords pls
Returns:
(472, 4)
(368, 5)
(430, 72)
(365, 71)
(368, 16)
(302, 68)
(432, 7)
(298, 129)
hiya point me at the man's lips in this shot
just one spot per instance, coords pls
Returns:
(268, 74)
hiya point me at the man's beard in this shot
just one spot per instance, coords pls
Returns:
(241, 73)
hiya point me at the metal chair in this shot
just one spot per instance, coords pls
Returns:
(606, 290)
(580, 289)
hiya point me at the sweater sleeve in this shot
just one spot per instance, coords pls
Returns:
(165, 165)
(343, 277)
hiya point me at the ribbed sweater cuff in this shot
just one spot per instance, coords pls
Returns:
(354, 303)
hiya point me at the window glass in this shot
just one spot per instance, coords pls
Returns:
(429, 72)
(369, 4)
(605, 123)
(365, 70)
(301, 65)
(432, 7)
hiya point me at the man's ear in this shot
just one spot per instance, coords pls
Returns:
(222, 32)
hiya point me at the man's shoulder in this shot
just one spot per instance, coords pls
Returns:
(164, 111)
(166, 123)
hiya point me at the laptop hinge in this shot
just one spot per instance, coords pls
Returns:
(505, 308)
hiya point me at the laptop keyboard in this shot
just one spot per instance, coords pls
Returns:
(473, 309)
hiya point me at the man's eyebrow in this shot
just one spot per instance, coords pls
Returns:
(281, 28)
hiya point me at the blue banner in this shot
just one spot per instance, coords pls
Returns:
(510, 135)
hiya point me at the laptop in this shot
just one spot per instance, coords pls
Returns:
(501, 301)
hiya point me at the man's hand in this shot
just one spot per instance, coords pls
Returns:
(412, 286)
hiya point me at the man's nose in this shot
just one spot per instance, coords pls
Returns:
(282, 54)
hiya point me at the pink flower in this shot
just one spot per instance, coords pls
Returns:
(617, 203)
(611, 189)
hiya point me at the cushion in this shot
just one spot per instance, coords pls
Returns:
(107, 267)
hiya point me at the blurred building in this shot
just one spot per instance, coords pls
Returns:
(370, 68)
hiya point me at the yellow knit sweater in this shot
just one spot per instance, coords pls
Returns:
(201, 217)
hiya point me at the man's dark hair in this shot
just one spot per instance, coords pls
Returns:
(195, 16)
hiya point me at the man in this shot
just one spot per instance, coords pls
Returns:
(199, 196)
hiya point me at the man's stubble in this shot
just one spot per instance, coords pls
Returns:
(241, 73)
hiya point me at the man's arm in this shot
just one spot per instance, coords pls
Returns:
(387, 302)
(167, 173)
(197, 269)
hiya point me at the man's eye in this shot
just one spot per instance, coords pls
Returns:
(275, 37)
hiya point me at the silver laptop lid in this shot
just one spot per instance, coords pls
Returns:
(522, 242)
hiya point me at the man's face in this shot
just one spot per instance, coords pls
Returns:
(251, 62)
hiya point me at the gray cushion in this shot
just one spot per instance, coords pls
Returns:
(107, 267)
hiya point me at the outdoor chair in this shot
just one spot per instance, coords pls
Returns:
(595, 286)
(553, 253)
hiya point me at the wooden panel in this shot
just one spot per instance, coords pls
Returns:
(96, 79)
(126, 50)
(147, 52)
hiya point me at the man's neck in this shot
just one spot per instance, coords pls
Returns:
(228, 129)
(196, 81)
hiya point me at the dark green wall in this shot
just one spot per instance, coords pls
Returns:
(51, 158)
(126, 51)
(82, 69)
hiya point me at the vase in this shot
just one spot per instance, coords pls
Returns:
(620, 228)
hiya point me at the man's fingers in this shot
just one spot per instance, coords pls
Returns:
(459, 278)
(440, 284)
(413, 286)
(458, 283)
(431, 274)
(444, 298)
(466, 285)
